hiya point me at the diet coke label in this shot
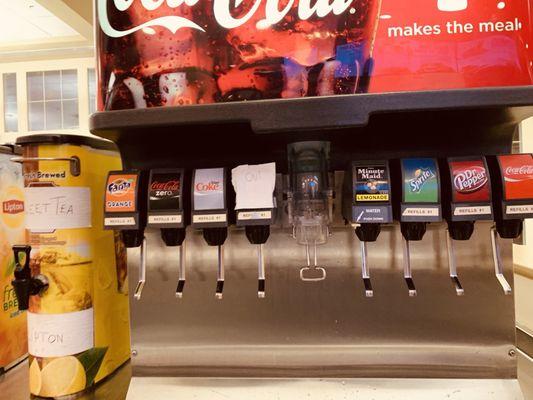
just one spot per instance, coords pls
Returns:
(224, 13)
(208, 189)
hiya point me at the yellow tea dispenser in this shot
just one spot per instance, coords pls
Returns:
(72, 279)
(13, 336)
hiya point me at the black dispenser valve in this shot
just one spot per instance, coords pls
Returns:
(24, 284)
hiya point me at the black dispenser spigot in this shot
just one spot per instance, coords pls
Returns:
(367, 204)
(255, 207)
(419, 182)
(24, 284)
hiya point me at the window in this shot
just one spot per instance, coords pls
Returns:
(53, 100)
(10, 103)
(91, 75)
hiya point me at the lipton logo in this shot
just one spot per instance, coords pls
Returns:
(119, 187)
(470, 180)
(13, 207)
(518, 174)
(422, 175)
(212, 186)
(173, 185)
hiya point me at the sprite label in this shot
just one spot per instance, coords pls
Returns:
(420, 180)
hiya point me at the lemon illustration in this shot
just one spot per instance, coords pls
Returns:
(35, 378)
(62, 376)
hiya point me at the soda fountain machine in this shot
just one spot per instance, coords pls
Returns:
(373, 115)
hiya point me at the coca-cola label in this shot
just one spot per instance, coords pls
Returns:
(517, 173)
(470, 181)
(13, 207)
(372, 183)
(421, 184)
(165, 191)
(208, 189)
(121, 190)
(223, 11)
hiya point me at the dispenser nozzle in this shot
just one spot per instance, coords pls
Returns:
(498, 265)
(453, 267)
(142, 271)
(369, 292)
(23, 284)
(181, 272)
(407, 269)
(220, 273)
(261, 272)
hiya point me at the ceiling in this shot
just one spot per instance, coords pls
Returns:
(27, 20)
(45, 28)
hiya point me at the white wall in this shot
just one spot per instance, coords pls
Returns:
(21, 68)
(523, 255)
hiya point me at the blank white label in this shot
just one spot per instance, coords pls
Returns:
(479, 210)
(164, 219)
(49, 208)
(521, 209)
(118, 221)
(420, 212)
(59, 335)
(209, 218)
(247, 215)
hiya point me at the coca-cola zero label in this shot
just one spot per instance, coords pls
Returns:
(165, 191)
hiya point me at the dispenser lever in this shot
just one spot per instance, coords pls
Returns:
(453, 266)
(142, 271)
(220, 273)
(315, 267)
(498, 265)
(407, 269)
(181, 273)
(369, 292)
(261, 273)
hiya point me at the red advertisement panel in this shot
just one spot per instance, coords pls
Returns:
(171, 53)
(517, 172)
(470, 181)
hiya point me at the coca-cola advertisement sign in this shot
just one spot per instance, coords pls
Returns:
(470, 181)
(157, 53)
(165, 191)
(517, 172)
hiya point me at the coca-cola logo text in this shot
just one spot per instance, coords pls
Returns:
(470, 180)
(167, 186)
(119, 187)
(213, 186)
(222, 10)
(13, 207)
(517, 174)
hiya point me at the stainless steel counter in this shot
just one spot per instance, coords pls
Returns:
(14, 386)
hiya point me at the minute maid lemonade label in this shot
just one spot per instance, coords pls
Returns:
(13, 337)
(371, 183)
(79, 328)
